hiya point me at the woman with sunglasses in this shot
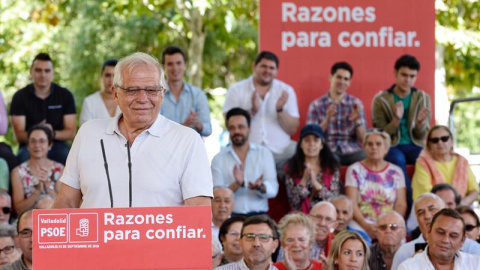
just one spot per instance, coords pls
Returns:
(438, 164)
(472, 222)
(39, 174)
(375, 185)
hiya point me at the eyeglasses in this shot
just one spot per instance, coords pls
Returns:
(470, 227)
(437, 139)
(150, 91)
(320, 218)
(7, 249)
(6, 210)
(392, 227)
(264, 238)
(234, 233)
(25, 233)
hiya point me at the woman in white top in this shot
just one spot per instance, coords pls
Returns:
(101, 105)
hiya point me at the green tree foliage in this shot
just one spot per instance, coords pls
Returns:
(458, 31)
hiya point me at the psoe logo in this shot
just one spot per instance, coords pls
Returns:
(83, 227)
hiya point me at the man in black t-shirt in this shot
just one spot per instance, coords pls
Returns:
(44, 102)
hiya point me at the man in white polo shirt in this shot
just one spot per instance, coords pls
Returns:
(139, 158)
(272, 105)
(445, 239)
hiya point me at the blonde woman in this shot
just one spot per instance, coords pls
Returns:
(348, 252)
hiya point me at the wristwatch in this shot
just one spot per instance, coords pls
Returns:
(280, 110)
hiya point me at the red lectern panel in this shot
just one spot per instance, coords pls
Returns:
(122, 238)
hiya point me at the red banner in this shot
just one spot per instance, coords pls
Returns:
(309, 36)
(122, 238)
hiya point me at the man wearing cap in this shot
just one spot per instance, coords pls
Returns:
(248, 169)
(340, 116)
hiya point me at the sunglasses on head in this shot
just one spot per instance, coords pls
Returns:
(437, 139)
(6, 210)
(469, 227)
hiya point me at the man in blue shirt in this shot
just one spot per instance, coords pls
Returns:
(183, 102)
(248, 169)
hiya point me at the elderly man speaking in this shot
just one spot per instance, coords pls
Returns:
(138, 158)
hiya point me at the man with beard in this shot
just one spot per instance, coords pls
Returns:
(445, 238)
(258, 241)
(391, 233)
(426, 206)
(248, 169)
(272, 105)
(344, 207)
(222, 205)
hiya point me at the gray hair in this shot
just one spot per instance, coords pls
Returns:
(380, 132)
(127, 64)
(393, 213)
(433, 196)
(342, 197)
(6, 195)
(7, 230)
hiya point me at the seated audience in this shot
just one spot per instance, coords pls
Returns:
(5, 206)
(297, 235)
(44, 102)
(39, 174)
(404, 113)
(472, 222)
(349, 251)
(312, 174)
(445, 239)
(377, 186)
(24, 241)
(391, 234)
(438, 164)
(101, 105)
(222, 205)
(426, 206)
(272, 105)
(216, 253)
(248, 169)
(8, 251)
(341, 116)
(258, 242)
(229, 236)
(344, 208)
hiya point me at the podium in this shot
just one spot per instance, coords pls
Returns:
(122, 238)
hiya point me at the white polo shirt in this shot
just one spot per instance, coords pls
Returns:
(265, 128)
(462, 261)
(169, 165)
